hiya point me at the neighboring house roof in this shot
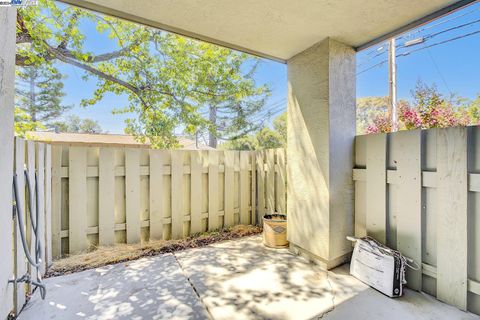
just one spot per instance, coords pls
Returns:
(104, 140)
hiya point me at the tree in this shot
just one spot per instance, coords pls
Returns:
(234, 100)
(170, 81)
(269, 139)
(247, 142)
(23, 123)
(265, 138)
(39, 93)
(75, 124)
(280, 125)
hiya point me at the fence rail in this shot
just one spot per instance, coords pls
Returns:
(419, 192)
(108, 195)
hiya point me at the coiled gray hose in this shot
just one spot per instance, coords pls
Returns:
(35, 262)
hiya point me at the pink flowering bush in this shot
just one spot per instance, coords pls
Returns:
(430, 110)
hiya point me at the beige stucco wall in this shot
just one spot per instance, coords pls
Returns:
(321, 131)
(7, 84)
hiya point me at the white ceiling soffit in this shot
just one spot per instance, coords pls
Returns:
(277, 29)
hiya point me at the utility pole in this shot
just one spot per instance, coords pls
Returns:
(392, 77)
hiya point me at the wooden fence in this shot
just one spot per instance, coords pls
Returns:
(34, 157)
(419, 192)
(108, 195)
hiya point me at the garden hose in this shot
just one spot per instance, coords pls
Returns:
(35, 261)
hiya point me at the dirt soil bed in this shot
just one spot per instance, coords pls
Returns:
(102, 256)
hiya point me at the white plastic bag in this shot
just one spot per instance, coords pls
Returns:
(379, 266)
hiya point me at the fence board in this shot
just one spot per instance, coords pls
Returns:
(451, 219)
(48, 205)
(409, 217)
(213, 190)
(21, 266)
(77, 199)
(244, 188)
(157, 161)
(56, 201)
(177, 194)
(281, 181)
(196, 166)
(270, 181)
(30, 157)
(106, 198)
(260, 156)
(132, 194)
(229, 185)
(40, 165)
(376, 187)
(359, 175)
(253, 201)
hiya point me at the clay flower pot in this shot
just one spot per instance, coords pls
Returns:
(275, 231)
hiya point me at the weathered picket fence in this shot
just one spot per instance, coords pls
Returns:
(419, 192)
(35, 158)
(108, 195)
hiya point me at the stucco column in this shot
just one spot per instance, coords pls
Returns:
(321, 132)
(7, 87)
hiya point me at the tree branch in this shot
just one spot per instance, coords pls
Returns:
(68, 30)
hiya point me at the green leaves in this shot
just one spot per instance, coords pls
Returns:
(170, 81)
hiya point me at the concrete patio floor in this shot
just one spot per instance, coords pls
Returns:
(238, 279)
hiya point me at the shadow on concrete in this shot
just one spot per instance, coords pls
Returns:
(245, 280)
(149, 288)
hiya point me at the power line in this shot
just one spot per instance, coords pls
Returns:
(372, 67)
(430, 26)
(422, 48)
(439, 43)
(430, 36)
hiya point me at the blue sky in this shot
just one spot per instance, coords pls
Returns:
(452, 66)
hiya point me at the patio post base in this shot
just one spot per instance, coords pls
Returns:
(323, 263)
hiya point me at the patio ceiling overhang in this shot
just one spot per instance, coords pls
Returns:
(278, 29)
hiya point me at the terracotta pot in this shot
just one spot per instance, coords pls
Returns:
(275, 231)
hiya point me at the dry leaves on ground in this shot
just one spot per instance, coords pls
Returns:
(102, 256)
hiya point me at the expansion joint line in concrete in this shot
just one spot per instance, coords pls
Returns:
(191, 285)
(333, 297)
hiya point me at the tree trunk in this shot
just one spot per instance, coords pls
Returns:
(33, 111)
(212, 137)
